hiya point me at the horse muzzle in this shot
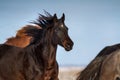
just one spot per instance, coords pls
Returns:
(68, 46)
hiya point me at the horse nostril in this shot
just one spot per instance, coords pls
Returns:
(68, 46)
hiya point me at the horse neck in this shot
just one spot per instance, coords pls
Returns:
(47, 48)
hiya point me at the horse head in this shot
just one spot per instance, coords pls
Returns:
(61, 31)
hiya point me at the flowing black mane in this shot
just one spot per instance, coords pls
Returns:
(44, 20)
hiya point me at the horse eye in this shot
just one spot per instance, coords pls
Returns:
(57, 29)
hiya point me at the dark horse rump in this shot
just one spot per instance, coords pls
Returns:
(94, 69)
(37, 61)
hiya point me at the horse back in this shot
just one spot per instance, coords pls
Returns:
(110, 69)
(7, 49)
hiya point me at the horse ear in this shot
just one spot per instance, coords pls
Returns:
(63, 17)
(55, 18)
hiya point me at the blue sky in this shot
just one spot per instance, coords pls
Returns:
(93, 24)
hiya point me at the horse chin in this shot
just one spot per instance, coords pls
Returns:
(68, 48)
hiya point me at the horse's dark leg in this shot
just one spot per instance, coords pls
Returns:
(55, 73)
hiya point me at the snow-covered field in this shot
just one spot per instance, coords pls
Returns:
(69, 73)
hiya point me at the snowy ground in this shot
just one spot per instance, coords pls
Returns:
(69, 73)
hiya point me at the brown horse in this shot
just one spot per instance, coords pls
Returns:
(94, 70)
(37, 61)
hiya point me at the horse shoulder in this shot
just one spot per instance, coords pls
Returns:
(32, 70)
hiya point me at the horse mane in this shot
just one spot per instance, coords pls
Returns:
(108, 50)
(24, 36)
(27, 29)
(30, 34)
(44, 20)
(92, 71)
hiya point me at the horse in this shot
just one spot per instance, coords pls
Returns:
(37, 61)
(95, 68)
(23, 39)
(110, 68)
